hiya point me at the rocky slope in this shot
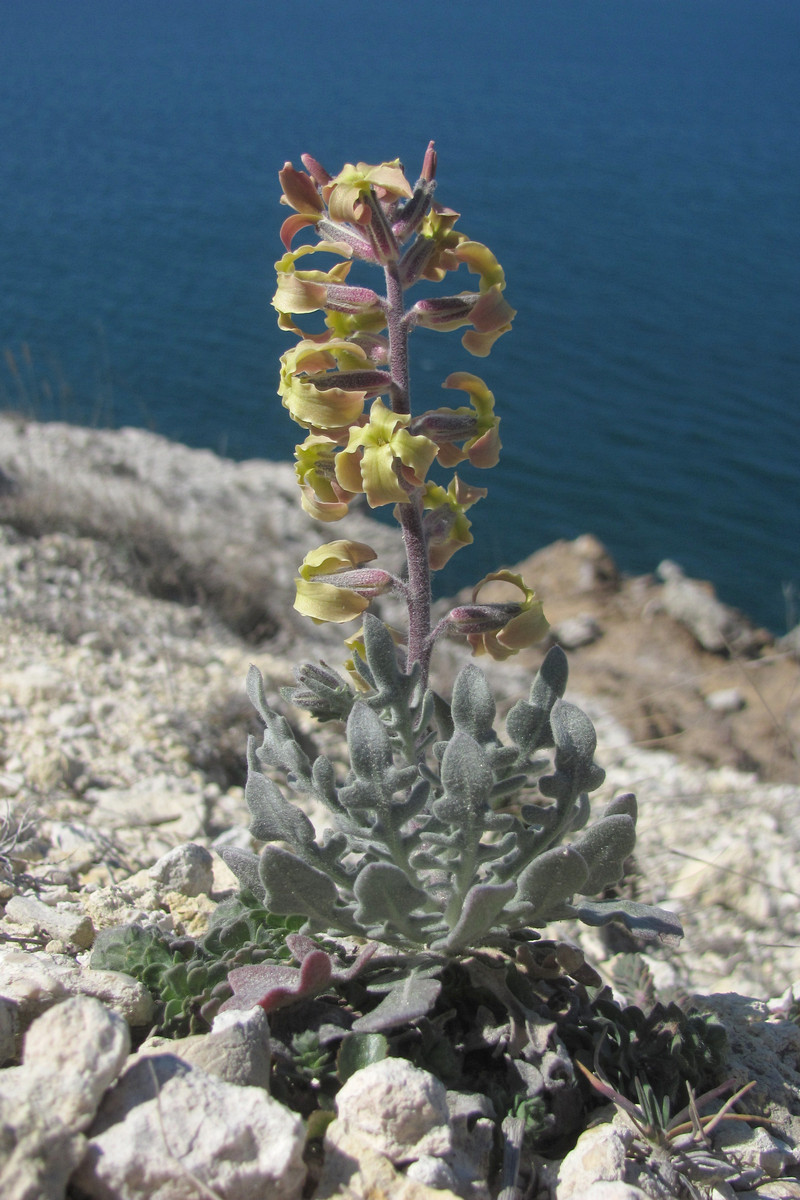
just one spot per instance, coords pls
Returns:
(138, 579)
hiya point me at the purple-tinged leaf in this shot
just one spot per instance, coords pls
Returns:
(272, 986)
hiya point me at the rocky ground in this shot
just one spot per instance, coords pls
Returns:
(138, 579)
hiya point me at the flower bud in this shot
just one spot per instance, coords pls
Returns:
(314, 169)
(429, 163)
(300, 191)
(520, 624)
(335, 586)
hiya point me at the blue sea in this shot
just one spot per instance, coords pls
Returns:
(634, 164)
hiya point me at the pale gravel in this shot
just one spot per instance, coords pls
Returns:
(101, 731)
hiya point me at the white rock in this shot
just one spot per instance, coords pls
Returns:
(188, 869)
(599, 1155)
(577, 631)
(72, 1055)
(353, 1170)
(78, 1048)
(755, 1147)
(726, 700)
(432, 1171)
(173, 1132)
(400, 1109)
(68, 924)
(237, 1051)
(38, 980)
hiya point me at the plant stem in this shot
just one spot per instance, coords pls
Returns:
(410, 514)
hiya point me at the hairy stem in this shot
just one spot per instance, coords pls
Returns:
(419, 572)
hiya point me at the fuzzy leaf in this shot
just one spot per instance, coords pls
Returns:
(324, 779)
(604, 848)
(271, 986)
(551, 679)
(293, 886)
(279, 747)
(408, 1001)
(575, 739)
(467, 780)
(645, 920)
(482, 906)
(386, 897)
(244, 865)
(382, 656)
(528, 723)
(473, 708)
(550, 880)
(273, 817)
(370, 748)
(626, 803)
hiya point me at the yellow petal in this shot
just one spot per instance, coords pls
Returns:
(380, 481)
(341, 555)
(481, 261)
(324, 602)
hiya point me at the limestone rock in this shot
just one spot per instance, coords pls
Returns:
(716, 627)
(64, 923)
(354, 1170)
(236, 1051)
(754, 1148)
(187, 869)
(767, 1051)
(599, 1155)
(38, 980)
(171, 1131)
(72, 1055)
(577, 631)
(400, 1109)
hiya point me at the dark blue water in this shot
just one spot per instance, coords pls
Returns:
(635, 165)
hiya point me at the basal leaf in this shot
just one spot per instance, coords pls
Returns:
(482, 906)
(408, 1001)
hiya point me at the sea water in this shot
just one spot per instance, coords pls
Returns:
(634, 164)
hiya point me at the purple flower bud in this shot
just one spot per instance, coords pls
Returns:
(380, 233)
(412, 213)
(443, 426)
(332, 231)
(343, 298)
(481, 618)
(315, 170)
(366, 581)
(415, 260)
(372, 382)
(428, 163)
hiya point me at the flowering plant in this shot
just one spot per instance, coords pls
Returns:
(443, 837)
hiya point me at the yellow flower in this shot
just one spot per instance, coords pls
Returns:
(321, 408)
(321, 496)
(447, 527)
(481, 261)
(307, 291)
(324, 597)
(516, 625)
(483, 447)
(381, 453)
(300, 193)
(346, 194)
